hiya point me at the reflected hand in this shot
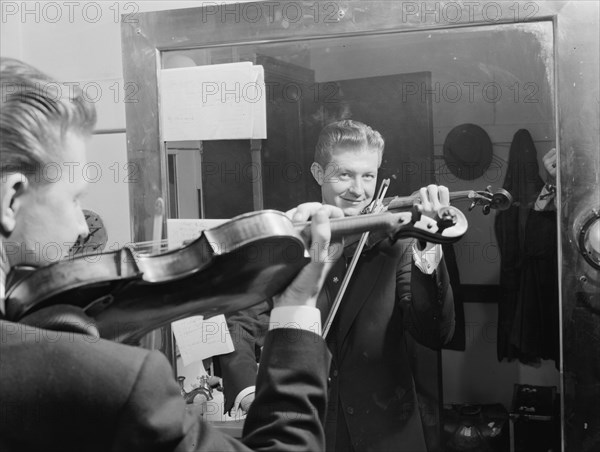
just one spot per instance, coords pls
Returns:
(308, 283)
(433, 197)
(549, 160)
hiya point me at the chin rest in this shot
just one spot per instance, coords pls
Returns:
(62, 317)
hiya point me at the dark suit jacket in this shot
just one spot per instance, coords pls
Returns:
(61, 391)
(372, 391)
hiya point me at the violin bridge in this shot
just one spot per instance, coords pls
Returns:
(123, 258)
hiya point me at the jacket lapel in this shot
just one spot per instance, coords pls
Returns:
(359, 290)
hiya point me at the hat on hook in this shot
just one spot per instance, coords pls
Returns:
(468, 151)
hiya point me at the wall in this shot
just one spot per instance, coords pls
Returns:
(476, 376)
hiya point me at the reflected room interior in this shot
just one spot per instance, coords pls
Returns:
(457, 107)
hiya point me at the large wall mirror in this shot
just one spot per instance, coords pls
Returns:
(464, 96)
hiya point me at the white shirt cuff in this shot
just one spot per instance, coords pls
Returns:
(428, 259)
(302, 317)
(243, 393)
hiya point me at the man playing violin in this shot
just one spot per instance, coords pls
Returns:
(62, 388)
(397, 288)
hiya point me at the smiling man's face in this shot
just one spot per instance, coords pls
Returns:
(349, 180)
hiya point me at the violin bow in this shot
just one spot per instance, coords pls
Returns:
(159, 211)
(161, 338)
(376, 207)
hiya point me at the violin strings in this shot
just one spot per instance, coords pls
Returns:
(149, 245)
(150, 242)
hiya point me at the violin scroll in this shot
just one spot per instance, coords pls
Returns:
(500, 200)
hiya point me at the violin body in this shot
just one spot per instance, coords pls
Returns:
(228, 268)
(233, 266)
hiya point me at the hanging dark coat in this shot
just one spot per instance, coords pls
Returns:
(528, 306)
(535, 330)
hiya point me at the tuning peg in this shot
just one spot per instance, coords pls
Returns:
(486, 209)
(472, 206)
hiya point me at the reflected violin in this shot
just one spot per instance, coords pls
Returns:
(500, 200)
(230, 267)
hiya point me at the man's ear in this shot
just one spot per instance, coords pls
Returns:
(317, 172)
(13, 187)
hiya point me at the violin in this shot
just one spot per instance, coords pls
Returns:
(230, 267)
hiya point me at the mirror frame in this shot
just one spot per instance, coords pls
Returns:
(576, 73)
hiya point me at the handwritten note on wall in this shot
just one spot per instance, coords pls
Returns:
(214, 102)
(199, 339)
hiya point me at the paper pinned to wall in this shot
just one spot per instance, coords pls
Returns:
(213, 102)
(198, 339)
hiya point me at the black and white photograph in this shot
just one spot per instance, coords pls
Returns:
(300, 226)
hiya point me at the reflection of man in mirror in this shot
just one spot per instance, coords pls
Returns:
(397, 288)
